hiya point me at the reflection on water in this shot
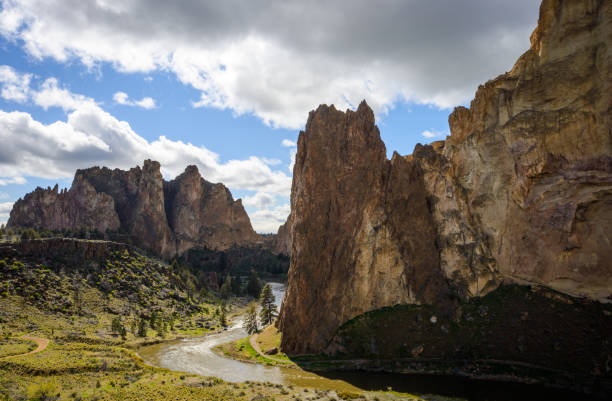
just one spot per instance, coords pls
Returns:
(196, 356)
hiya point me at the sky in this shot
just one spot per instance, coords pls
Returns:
(227, 85)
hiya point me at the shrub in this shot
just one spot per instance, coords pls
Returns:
(46, 390)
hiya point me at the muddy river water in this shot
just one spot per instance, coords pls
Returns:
(196, 355)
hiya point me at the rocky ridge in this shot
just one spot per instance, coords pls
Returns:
(521, 192)
(167, 218)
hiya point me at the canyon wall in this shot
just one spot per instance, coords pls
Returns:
(167, 218)
(520, 192)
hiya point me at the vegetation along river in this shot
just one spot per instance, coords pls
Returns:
(196, 355)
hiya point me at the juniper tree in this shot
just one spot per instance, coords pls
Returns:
(116, 325)
(250, 319)
(268, 308)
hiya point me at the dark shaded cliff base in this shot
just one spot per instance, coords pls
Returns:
(515, 333)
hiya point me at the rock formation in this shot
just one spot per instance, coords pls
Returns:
(165, 217)
(281, 243)
(204, 214)
(521, 192)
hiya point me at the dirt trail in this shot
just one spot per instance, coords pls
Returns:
(256, 347)
(41, 342)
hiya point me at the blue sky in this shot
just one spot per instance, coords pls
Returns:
(90, 84)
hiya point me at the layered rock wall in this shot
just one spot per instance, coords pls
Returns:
(521, 191)
(167, 218)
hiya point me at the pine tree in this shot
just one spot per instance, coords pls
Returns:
(268, 308)
(253, 286)
(250, 319)
(123, 332)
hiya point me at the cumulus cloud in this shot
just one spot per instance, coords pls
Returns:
(5, 210)
(292, 152)
(15, 86)
(92, 136)
(279, 59)
(268, 220)
(434, 134)
(123, 98)
(271, 162)
(260, 200)
(11, 180)
(50, 94)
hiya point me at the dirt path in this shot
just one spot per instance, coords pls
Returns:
(41, 342)
(256, 347)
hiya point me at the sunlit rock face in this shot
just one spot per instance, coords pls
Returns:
(204, 214)
(521, 191)
(167, 218)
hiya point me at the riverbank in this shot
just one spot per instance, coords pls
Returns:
(259, 348)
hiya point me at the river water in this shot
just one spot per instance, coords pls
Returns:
(195, 355)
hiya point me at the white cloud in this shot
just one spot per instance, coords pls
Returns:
(5, 210)
(268, 220)
(261, 200)
(122, 98)
(15, 86)
(51, 95)
(91, 136)
(12, 180)
(288, 143)
(4, 195)
(433, 134)
(279, 60)
(271, 162)
(292, 154)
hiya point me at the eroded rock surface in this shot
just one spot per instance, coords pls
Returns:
(165, 217)
(521, 191)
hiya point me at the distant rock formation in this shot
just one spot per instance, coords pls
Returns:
(167, 218)
(521, 192)
(281, 242)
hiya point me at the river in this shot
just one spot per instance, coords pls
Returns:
(195, 355)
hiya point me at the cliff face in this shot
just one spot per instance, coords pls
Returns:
(205, 214)
(281, 243)
(165, 217)
(82, 206)
(521, 191)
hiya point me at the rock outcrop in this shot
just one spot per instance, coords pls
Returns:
(202, 214)
(73, 248)
(521, 192)
(167, 218)
(281, 243)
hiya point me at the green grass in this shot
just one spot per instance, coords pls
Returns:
(15, 346)
(77, 370)
(243, 351)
